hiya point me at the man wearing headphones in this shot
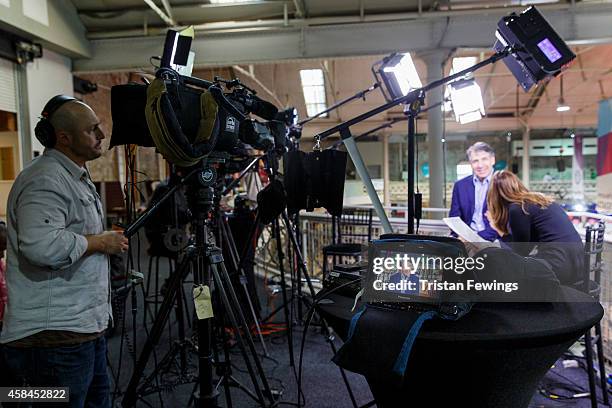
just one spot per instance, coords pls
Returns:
(57, 272)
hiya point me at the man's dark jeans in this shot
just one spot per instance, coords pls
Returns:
(81, 368)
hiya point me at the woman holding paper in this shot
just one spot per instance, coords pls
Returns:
(534, 225)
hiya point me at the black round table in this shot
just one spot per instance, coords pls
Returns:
(493, 357)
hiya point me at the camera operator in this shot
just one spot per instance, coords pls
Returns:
(57, 263)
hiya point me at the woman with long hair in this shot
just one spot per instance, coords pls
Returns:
(535, 225)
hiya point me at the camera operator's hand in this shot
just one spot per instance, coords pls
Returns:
(109, 242)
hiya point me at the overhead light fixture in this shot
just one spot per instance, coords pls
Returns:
(466, 98)
(399, 75)
(561, 105)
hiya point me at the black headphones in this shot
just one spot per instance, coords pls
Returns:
(44, 130)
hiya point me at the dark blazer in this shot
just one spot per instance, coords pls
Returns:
(397, 278)
(550, 230)
(462, 205)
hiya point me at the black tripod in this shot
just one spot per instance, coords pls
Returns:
(206, 261)
(224, 235)
(272, 168)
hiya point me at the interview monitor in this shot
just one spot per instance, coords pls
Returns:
(537, 50)
(415, 271)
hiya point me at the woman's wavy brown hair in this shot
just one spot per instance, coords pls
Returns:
(505, 189)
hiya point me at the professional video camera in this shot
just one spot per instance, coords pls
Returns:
(187, 118)
(270, 134)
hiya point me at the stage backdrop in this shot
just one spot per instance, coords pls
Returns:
(604, 157)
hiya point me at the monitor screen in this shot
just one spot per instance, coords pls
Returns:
(410, 275)
(549, 50)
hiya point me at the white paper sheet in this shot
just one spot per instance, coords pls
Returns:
(463, 230)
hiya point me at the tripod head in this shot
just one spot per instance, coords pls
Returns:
(199, 181)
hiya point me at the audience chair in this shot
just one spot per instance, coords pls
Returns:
(349, 231)
(591, 284)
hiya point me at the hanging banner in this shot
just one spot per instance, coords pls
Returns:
(604, 157)
(578, 170)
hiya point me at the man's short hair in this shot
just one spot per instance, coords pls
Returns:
(479, 147)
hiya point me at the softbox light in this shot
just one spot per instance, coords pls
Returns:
(538, 51)
(466, 98)
(398, 74)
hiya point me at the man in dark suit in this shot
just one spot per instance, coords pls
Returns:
(412, 281)
(469, 200)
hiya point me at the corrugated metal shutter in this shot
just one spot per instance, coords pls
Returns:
(8, 98)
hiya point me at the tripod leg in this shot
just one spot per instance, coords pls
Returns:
(227, 232)
(180, 317)
(330, 339)
(130, 397)
(281, 269)
(302, 264)
(248, 336)
(157, 294)
(602, 365)
(252, 234)
(236, 260)
(242, 387)
(588, 342)
(208, 394)
(299, 273)
(230, 313)
(225, 378)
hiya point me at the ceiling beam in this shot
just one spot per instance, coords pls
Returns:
(254, 42)
(167, 19)
(168, 8)
(181, 6)
(299, 10)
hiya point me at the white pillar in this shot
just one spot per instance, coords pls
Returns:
(435, 117)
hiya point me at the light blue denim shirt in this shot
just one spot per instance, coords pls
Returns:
(51, 284)
(480, 195)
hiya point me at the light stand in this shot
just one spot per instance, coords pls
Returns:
(412, 99)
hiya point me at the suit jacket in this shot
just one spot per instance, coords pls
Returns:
(462, 205)
(398, 277)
